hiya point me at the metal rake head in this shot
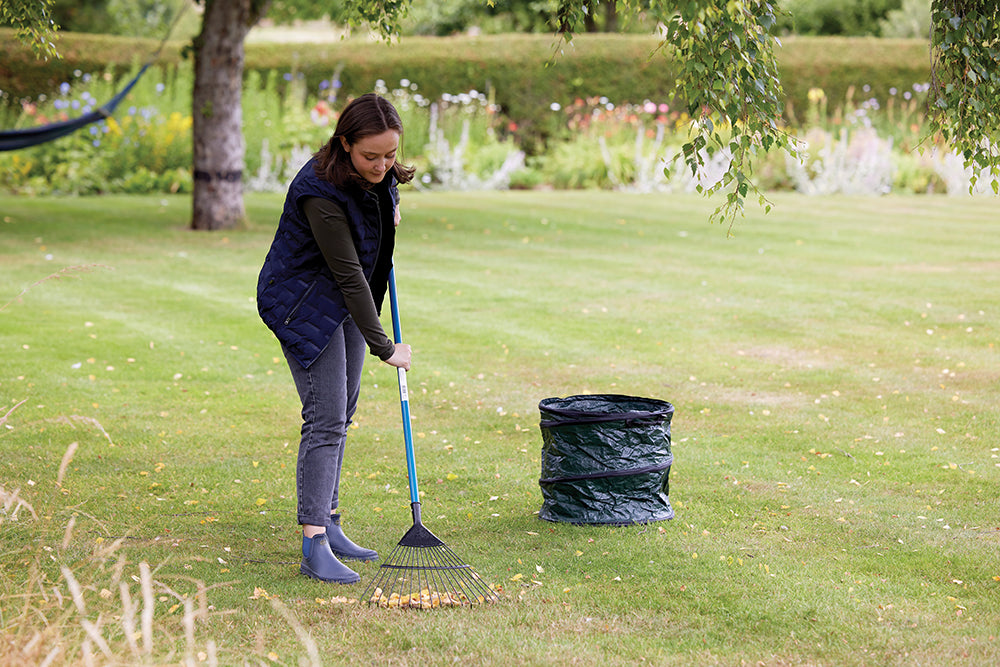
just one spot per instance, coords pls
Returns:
(421, 572)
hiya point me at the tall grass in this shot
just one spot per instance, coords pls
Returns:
(835, 436)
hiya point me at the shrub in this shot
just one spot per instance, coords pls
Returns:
(524, 74)
(861, 137)
(149, 135)
(912, 19)
(837, 17)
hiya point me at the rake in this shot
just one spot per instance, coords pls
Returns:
(421, 572)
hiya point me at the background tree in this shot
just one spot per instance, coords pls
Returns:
(966, 82)
(34, 23)
(836, 17)
(728, 80)
(217, 115)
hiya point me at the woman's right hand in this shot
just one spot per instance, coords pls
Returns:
(400, 357)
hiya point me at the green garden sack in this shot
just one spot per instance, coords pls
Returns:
(605, 459)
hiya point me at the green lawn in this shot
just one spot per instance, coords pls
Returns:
(834, 369)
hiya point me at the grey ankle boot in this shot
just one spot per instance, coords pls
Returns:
(344, 548)
(319, 562)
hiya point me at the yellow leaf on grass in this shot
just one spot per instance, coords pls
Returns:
(517, 577)
(260, 501)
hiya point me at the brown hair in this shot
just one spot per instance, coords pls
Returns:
(365, 116)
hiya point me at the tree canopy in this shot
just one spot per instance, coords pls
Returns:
(33, 22)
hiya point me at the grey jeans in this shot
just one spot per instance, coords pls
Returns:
(328, 390)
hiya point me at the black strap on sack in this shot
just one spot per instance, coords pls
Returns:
(610, 473)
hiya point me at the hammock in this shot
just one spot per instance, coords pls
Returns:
(12, 140)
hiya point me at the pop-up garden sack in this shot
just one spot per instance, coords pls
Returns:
(605, 459)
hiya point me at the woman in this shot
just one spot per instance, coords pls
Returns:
(320, 291)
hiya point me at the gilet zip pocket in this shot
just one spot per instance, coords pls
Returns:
(291, 313)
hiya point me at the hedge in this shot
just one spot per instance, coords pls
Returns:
(525, 73)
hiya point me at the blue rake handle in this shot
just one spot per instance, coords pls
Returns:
(404, 399)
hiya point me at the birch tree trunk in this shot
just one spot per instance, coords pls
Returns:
(217, 116)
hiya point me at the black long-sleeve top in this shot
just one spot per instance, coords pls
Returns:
(333, 234)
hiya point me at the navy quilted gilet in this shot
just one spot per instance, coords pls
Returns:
(297, 296)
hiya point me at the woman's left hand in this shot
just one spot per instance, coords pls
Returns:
(396, 217)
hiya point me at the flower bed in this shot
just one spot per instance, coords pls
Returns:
(463, 141)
